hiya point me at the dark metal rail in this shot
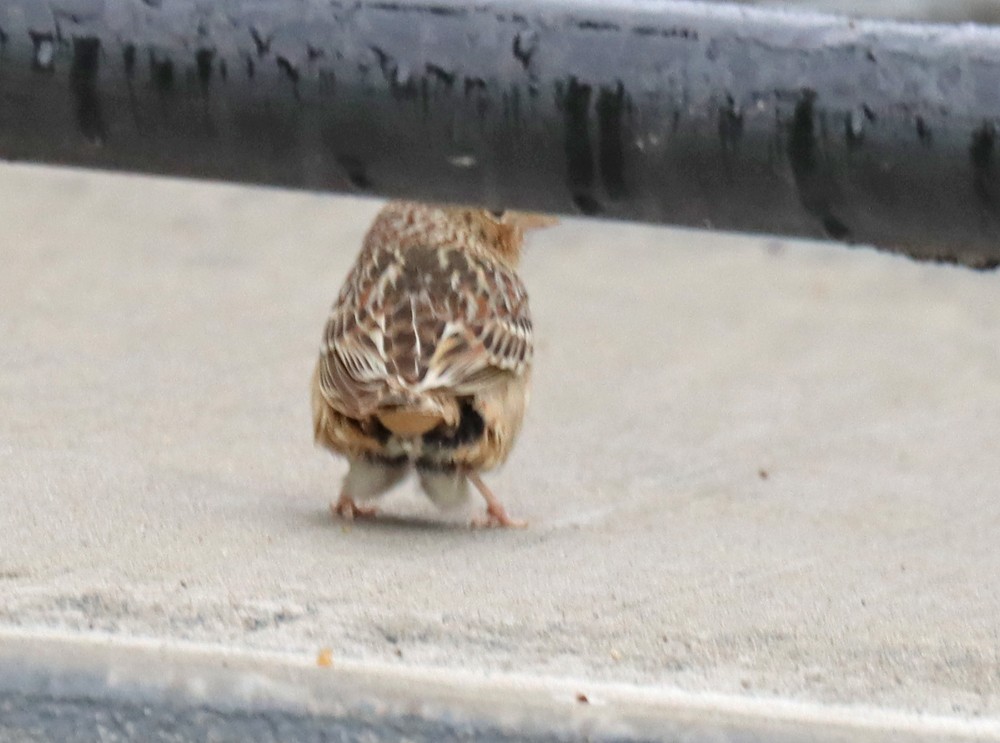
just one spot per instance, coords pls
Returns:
(654, 110)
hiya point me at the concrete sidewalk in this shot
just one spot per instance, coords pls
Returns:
(757, 473)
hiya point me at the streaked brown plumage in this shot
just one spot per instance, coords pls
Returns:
(426, 356)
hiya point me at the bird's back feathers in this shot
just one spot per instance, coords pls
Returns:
(425, 311)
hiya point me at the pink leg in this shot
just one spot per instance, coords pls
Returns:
(367, 479)
(348, 510)
(496, 514)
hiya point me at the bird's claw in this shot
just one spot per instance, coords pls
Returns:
(496, 514)
(495, 518)
(346, 509)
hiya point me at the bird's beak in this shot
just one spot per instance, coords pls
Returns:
(529, 220)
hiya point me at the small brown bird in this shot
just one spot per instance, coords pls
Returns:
(426, 356)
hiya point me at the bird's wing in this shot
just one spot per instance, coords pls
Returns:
(490, 336)
(422, 321)
(352, 366)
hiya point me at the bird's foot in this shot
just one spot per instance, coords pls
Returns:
(496, 517)
(346, 509)
(496, 514)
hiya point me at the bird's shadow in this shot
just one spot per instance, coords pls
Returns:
(386, 521)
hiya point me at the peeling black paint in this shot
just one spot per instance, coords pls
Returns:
(675, 32)
(816, 188)
(401, 90)
(490, 138)
(162, 73)
(83, 83)
(128, 60)
(730, 126)
(291, 73)
(525, 43)
(482, 107)
(438, 10)
(425, 96)
(261, 43)
(356, 172)
(442, 75)
(981, 153)
(203, 61)
(128, 63)
(924, 133)
(515, 104)
(610, 108)
(327, 81)
(288, 69)
(575, 103)
(587, 204)
(476, 87)
(589, 25)
(802, 143)
(473, 84)
(387, 63)
(834, 228)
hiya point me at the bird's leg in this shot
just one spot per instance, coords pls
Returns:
(345, 508)
(496, 514)
(366, 479)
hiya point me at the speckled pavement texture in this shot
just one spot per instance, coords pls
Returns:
(755, 469)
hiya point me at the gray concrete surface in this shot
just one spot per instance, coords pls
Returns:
(759, 474)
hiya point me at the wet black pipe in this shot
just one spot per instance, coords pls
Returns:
(655, 110)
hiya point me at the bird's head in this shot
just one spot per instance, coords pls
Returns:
(501, 232)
